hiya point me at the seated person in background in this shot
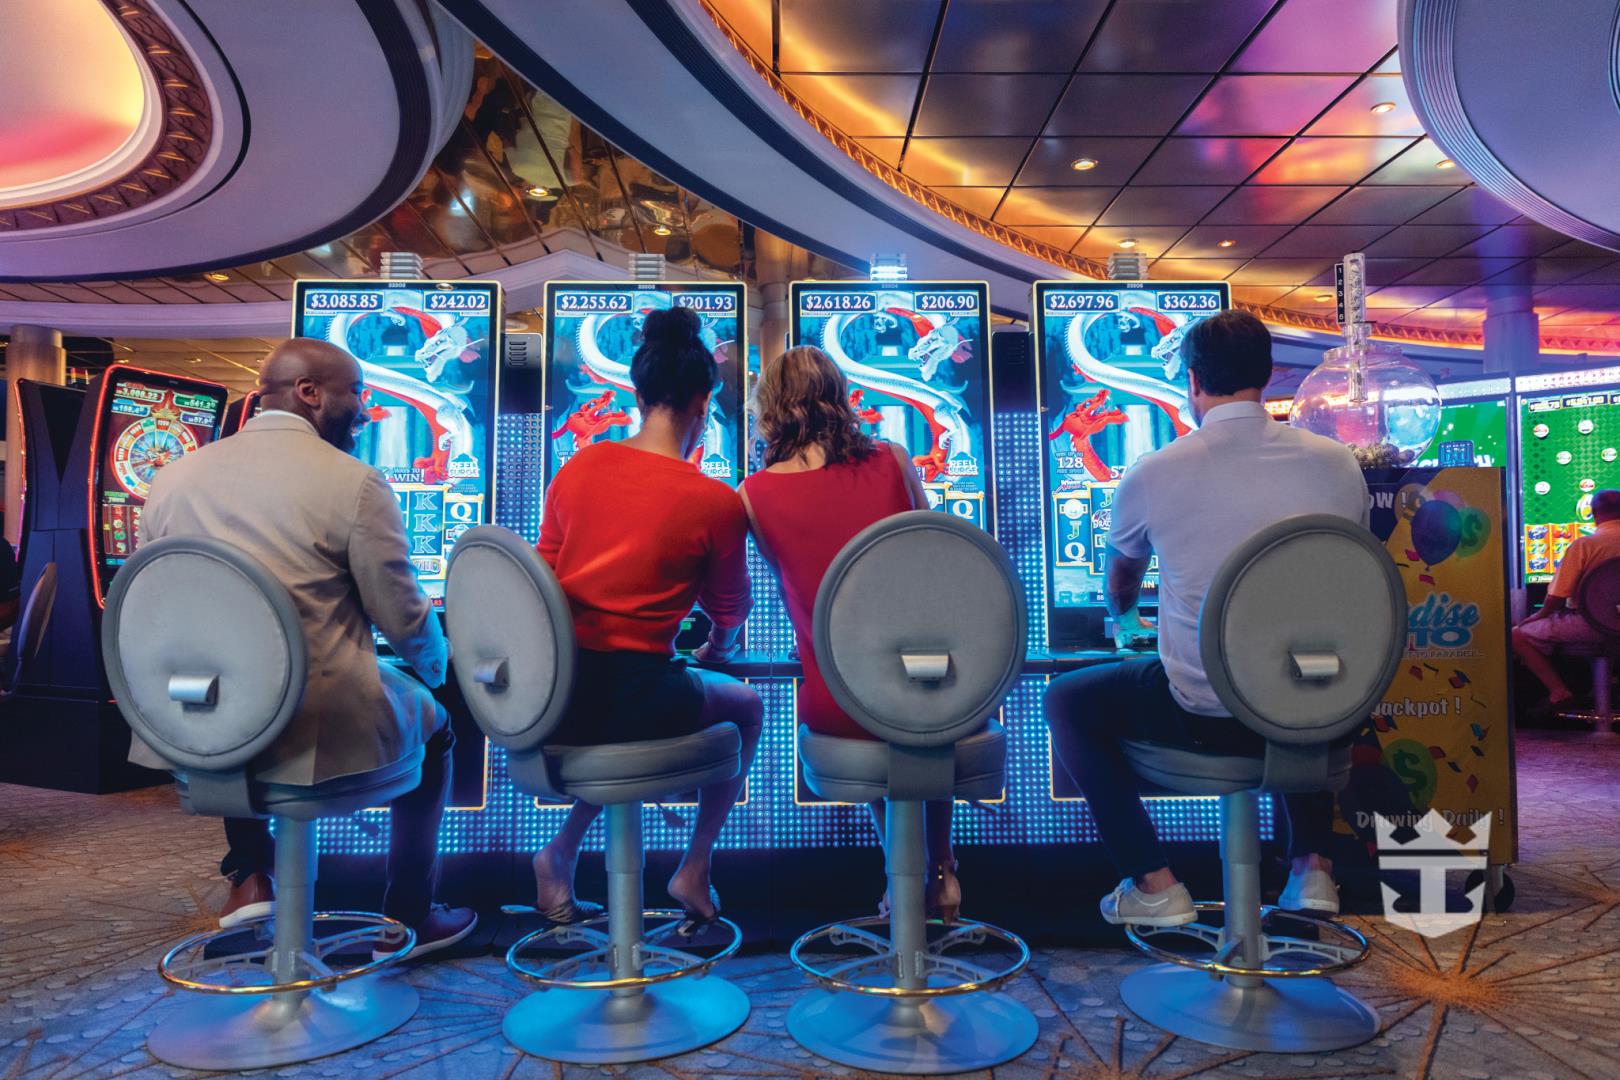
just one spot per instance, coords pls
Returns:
(1192, 503)
(824, 481)
(636, 534)
(1558, 623)
(286, 491)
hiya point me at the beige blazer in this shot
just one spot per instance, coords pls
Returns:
(328, 526)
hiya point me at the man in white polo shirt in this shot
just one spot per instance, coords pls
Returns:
(1192, 504)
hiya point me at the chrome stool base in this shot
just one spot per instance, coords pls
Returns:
(228, 1033)
(916, 1036)
(601, 1027)
(1285, 1016)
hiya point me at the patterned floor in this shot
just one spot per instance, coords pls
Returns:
(92, 889)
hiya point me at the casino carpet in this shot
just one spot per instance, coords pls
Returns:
(93, 889)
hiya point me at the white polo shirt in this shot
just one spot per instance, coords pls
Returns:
(1194, 501)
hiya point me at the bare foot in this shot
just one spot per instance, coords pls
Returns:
(690, 889)
(553, 880)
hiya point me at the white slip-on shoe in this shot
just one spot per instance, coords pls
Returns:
(1313, 891)
(1130, 906)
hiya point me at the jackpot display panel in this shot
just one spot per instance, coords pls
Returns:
(1470, 433)
(1111, 388)
(917, 357)
(1569, 448)
(593, 331)
(430, 355)
(144, 421)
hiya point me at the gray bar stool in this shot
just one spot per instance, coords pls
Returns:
(1597, 598)
(29, 632)
(1301, 634)
(920, 630)
(208, 686)
(616, 1000)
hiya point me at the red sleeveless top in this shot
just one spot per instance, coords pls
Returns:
(804, 519)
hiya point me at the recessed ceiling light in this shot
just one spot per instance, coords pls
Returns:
(1382, 107)
(1226, 243)
(1083, 164)
(1127, 243)
(1322, 298)
(196, 359)
(1445, 163)
(216, 275)
(662, 230)
(537, 192)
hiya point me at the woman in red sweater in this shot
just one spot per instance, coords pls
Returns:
(637, 535)
(824, 481)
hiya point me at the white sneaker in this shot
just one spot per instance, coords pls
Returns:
(1312, 891)
(1128, 905)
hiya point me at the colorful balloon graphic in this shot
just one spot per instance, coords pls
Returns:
(1436, 531)
(1475, 530)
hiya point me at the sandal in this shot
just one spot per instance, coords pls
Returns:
(694, 923)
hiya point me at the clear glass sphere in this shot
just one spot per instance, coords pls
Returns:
(1372, 399)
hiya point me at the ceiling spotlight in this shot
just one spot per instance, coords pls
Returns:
(1382, 107)
(537, 192)
(1323, 297)
(1127, 243)
(1226, 243)
(1445, 163)
(196, 359)
(661, 230)
(1084, 164)
(216, 275)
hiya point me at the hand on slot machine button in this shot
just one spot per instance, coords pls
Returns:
(710, 653)
(1132, 632)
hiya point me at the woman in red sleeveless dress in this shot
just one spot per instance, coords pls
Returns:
(824, 481)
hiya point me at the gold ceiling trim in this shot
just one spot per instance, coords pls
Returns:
(1091, 268)
(187, 131)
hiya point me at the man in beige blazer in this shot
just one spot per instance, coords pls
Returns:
(286, 490)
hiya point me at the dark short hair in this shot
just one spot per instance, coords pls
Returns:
(1228, 352)
(1606, 504)
(672, 367)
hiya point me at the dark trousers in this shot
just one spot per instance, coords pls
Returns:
(1091, 711)
(413, 838)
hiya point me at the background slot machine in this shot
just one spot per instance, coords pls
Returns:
(240, 412)
(65, 730)
(917, 357)
(1111, 388)
(1569, 448)
(593, 331)
(430, 354)
(1471, 432)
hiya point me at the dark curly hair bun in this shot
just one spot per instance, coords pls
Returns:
(672, 367)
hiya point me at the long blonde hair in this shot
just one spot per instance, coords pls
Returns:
(802, 400)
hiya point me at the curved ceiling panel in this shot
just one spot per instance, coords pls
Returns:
(1524, 97)
(282, 126)
(82, 106)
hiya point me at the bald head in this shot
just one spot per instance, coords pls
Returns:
(318, 381)
(1606, 506)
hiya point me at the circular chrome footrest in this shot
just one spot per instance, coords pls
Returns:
(878, 961)
(190, 967)
(1337, 957)
(664, 954)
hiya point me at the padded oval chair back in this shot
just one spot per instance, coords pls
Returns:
(1598, 598)
(206, 686)
(1303, 629)
(29, 633)
(509, 621)
(920, 628)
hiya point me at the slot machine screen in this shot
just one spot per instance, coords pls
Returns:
(1470, 433)
(917, 357)
(594, 329)
(1111, 389)
(144, 421)
(430, 354)
(1569, 449)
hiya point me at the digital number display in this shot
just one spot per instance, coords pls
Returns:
(1112, 388)
(708, 303)
(458, 300)
(584, 303)
(958, 302)
(829, 302)
(344, 300)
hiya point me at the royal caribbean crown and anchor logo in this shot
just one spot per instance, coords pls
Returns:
(1431, 851)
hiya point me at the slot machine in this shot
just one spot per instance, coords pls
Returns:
(593, 331)
(917, 357)
(1473, 425)
(1110, 389)
(132, 423)
(240, 412)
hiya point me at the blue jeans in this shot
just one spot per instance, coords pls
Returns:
(1092, 710)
